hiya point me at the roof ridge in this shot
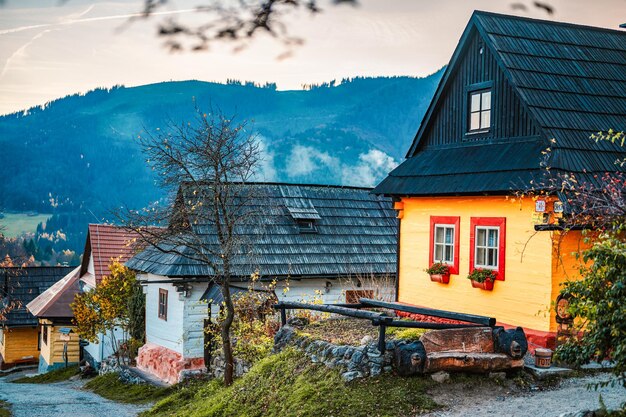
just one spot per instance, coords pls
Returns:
(334, 186)
(547, 21)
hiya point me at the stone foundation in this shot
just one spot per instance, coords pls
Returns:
(166, 364)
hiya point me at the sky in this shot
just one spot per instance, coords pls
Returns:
(52, 48)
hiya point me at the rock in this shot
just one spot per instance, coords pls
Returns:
(283, 336)
(375, 370)
(339, 351)
(352, 375)
(378, 360)
(357, 356)
(387, 368)
(498, 376)
(298, 321)
(348, 354)
(440, 377)
(366, 340)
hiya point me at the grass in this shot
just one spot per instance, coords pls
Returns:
(288, 384)
(5, 409)
(110, 386)
(341, 331)
(57, 375)
(19, 223)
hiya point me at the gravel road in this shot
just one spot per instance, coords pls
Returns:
(570, 397)
(60, 399)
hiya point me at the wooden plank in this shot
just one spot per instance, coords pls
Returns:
(470, 318)
(475, 340)
(425, 325)
(470, 362)
(344, 311)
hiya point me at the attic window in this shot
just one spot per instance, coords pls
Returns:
(480, 111)
(306, 226)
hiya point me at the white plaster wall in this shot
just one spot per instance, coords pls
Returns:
(90, 267)
(193, 322)
(308, 290)
(167, 333)
(103, 348)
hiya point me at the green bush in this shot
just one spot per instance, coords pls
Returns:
(110, 386)
(57, 375)
(598, 301)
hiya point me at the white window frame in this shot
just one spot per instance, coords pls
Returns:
(486, 247)
(444, 244)
(482, 109)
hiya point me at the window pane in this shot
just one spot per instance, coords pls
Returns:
(480, 256)
(486, 104)
(448, 257)
(493, 238)
(438, 253)
(449, 235)
(475, 106)
(481, 237)
(485, 119)
(439, 231)
(493, 255)
(475, 121)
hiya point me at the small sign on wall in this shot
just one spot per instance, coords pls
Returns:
(540, 206)
(558, 207)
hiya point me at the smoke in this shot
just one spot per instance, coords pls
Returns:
(370, 169)
(311, 164)
(267, 166)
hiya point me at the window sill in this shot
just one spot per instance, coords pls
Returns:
(478, 132)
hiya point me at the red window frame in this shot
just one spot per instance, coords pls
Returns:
(451, 220)
(499, 222)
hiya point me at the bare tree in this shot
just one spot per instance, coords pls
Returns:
(206, 164)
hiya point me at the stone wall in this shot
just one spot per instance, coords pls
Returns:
(353, 361)
(166, 364)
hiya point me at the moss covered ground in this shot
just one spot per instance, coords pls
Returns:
(57, 375)
(5, 409)
(110, 386)
(288, 384)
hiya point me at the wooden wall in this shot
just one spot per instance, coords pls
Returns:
(522, 299)
(509, 118)
(52, 351)
(20, 344)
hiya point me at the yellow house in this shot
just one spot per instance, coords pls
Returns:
(58, 340)
(518, 95)
(19, 331)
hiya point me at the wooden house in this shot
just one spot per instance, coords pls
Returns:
(59, 342)
(105, 243)
(334, 244)
(518, 95)
(19, 329)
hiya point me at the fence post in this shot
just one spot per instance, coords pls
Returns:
(381, 338)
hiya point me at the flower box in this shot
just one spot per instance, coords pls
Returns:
(487, 285)
(442, 278)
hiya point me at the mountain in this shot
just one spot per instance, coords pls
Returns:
(78, 156)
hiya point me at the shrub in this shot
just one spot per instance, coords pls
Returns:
(482, 275)
(438, 269)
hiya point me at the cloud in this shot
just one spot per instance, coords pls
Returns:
(305, 160)
(267, 165)
(370, 169)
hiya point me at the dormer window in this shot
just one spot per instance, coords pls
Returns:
(480, 111)
(306, 226)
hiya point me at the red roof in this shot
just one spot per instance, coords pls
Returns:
(55, 301)
(106, 242)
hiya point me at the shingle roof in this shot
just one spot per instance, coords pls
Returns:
(55, 301)
(23, 285)
(356, 233)
(571, 78)
(106, 242)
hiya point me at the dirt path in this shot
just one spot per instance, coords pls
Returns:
(569, 398)
(61, 399)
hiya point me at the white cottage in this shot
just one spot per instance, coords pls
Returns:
(105, 243)
(331, 243)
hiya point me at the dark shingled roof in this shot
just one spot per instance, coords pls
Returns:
(356, 234)
(571, 78)
(23, 285)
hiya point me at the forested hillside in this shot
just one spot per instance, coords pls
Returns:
(78, 158)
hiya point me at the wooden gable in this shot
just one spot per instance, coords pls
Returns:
(476, 68)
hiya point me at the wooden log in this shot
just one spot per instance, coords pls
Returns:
(344, 311)
(470, 362)
(474, 340)
(426, 325)
(470, 318)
